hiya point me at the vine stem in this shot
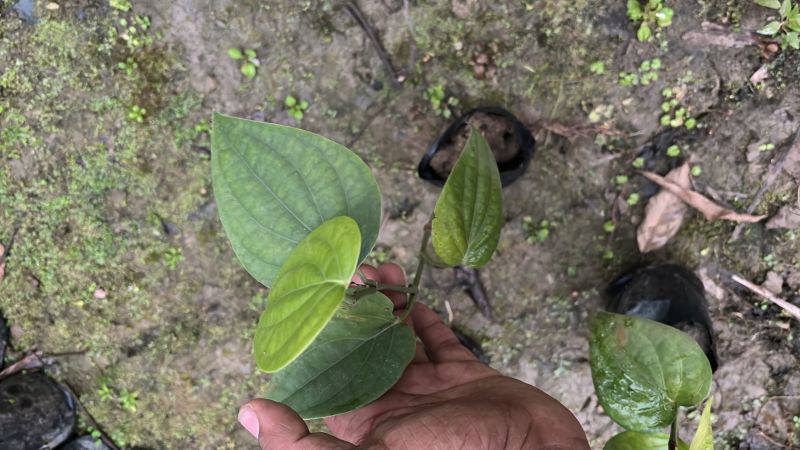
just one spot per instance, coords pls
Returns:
(412, 297)
(673, 434)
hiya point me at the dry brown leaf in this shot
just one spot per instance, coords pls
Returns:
(710, 210)
(664, 213)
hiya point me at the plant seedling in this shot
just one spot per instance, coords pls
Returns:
(296, 109)
(653, 15)
(440, 101)
(136, 113)
(643, 371)
(250, 61)
(301, 213)
(597, 68)
(787, 29)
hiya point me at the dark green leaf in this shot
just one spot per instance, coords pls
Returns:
(643, 370)
(468, 215)
(274, 184)
(770, 29)
(631, 440)
(360, 354)
(704, 438)
(307, 291)
(773, 4)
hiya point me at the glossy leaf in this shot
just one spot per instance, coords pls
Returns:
(643, 370)
(360, 354)
(274, 184)
(632, 440)
(770, 28)
(307, 291)
(468, 215)
(703, 437)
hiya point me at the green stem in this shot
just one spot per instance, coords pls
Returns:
(673, 434)
(418, 273)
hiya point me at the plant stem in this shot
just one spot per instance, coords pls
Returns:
(673, 434)
(418, 273)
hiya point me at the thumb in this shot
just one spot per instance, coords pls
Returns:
(276, 426)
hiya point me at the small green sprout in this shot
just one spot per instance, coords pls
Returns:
(652, 15)
(638, 163)
(136, 114)
(440, 101)
(129, 400)
(633, 199)
(172, 257)
(673, 151)
(666, 92)
(296, 108)
(105, 393)
(766, 147)
(536, 232)
(696, 171)
(621, 179)
(690, 123)
(120, 5)
(787, 29)
(597, 67)
(249, 59)
(609, 226)
(608, 254)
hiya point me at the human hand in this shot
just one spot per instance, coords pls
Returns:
(445, 399)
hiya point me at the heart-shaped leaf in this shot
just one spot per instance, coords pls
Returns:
(308, 289)
(468, 215)
(360, 354)
(632, 440)
(703, 437)
(274, 184)
(643, 370)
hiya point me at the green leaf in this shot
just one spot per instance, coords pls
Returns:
(643, 370)
(770, 29)
(274, 184)
(631, 440)
(703, 438)
(360, 354)
(235, 53)
(773, 4)
(644, 34)
(468, 215)
(250, 53)
(290, 101)
(664, 17)
(793, 40)
(634, 10)
(786, 6)
(309, 287)
(248, 69)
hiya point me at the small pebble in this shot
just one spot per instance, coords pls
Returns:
(100, 294)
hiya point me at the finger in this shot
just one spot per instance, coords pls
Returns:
(439, 340)
(278, 427)
(419, 354)
(369, 271)
(391, 273)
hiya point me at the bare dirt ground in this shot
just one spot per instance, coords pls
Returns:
(120, 257)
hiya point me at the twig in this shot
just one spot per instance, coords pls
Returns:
(31, 361)
(788, 307)
(356, 14)
(103, 436)
(9, 245)
(772, 175)
(773, 441)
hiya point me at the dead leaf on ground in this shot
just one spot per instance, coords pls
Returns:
(664, 213)
(710, 210)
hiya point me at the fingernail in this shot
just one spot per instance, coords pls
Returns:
(248, 419)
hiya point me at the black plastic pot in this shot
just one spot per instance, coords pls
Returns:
(510, 170)
(670, 294)
(35, 412)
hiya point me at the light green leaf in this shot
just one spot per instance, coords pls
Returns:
(773, 4)
(248, 69)
(786, 6)
(274, 184)
(250, 53)
(631, 440)
(664, 17)
(360, 354)
(309, 287)
(235, 53)
(793, 40)
(643, 370)
(703, 438)
(290, 101)
(644, 34)
(634, 10)
(468, 215)
(770, 29)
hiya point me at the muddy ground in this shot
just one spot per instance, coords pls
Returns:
(121, 270)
